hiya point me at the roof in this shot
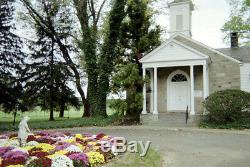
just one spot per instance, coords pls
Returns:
(242, 53)
(179, 1)
(202, 48)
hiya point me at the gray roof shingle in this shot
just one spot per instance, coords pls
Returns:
(242, 53)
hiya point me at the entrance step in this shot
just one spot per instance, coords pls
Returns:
(167, 120)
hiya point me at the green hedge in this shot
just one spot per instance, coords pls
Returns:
(227, 106)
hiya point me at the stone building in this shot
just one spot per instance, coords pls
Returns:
(184, 72)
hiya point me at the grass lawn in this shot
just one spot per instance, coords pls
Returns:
(39, 120)
(152, 159)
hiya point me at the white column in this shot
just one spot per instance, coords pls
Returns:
(152, 91)
(155, 112)
(144, 111)
(192, 90)
(205, 82)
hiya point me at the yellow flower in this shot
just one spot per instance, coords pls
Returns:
(15, 166)
(95, 148)
(95, 158)
(105, 137)
(79, 136)
(45, 147)
(62, 152)
(73, 140)
(28, 148)
(92, 143)
(37, 136)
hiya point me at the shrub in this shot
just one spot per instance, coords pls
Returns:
(227, 106)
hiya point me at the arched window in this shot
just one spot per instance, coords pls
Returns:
(179, 78)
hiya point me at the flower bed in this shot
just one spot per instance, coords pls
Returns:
(46, 149)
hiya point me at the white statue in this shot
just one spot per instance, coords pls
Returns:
(23, 131)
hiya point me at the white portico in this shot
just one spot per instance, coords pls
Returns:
(179, 89)
(175, 68)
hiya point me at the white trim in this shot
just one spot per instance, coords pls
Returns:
(194, 50)
(192, 90)
(205, 82)
(191, 49)
(179, 63)
(155, 112)
(213, 50)
(168, 87)
(145, 58)
(152, 91)
(144, 111)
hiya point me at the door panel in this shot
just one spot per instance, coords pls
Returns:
(178, 97)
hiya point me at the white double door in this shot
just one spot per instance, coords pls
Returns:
(178, 96)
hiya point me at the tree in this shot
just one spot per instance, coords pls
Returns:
(108, 53)
(239, 21)
(51, 16)
(139, 35)
(11, 58)
(97, 66)
(89, 17)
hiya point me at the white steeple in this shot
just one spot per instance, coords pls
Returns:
(181, 17)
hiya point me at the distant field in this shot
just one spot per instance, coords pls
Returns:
(39, 120)
(38, 114)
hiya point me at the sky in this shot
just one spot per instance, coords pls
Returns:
(207, 20)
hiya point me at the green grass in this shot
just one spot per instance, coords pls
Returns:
(243, 123)
(40, 120)
(152, 159)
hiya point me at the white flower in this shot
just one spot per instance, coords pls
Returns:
(73, 148)
(3, 142)
(32, 143)
(61, 161)
(14, 143)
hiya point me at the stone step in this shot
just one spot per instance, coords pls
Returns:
(166, 120)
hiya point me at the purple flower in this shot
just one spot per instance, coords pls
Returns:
(15, 154)
(57, 134)
(4, 137)
(80, 157)
(62, 146)
(4, 150)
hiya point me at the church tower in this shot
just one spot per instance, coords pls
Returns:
(181, 17)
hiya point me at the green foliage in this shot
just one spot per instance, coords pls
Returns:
(119, 105)
(242, 123)
(227, 106)
(239, 21)
(127, 78)
(138, 35)
(11, 58)
(108, 53)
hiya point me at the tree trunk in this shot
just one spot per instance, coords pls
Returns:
(14, 121)
(62, 109)
(86, 109)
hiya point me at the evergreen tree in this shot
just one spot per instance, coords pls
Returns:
(139, 36)
(11, 58)
(53, 19)
(48, 76)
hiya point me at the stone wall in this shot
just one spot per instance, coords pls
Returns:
(223, 74)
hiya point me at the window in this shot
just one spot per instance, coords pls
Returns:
(179, 22)
(179, 78)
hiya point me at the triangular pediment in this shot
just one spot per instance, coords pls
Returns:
(172, 51)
